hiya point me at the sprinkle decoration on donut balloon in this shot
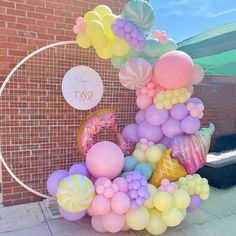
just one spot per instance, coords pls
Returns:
(147, 180)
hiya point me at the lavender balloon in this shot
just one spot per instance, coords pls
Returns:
(54, 180)
(171, 128)
(165, 141)
(150, 132)
(138, 189)
(195, 203)
(179, 111)
(190, 125)
(140, 116)
(79, 169)
(71, 216)
(155, 116)
(131, 132)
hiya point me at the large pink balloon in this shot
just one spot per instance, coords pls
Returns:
(113, 223)
(150, 132)
(105, 159)
(144, 101)
(155, 116)
(120, 203)
(171, 128)
(96, 222)
(174, 70)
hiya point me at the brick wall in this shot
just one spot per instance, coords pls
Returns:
(26, 25)
(37, 136)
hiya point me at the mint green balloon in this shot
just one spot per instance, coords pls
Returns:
(169, 46)
(132, 54)
(118, 61)
(152, 60)
(152, 48)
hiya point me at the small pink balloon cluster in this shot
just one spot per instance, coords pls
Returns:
(138, 191)
(167, 186)
(80, 25)
(129, 32)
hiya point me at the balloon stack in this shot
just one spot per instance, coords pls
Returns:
(147, 180)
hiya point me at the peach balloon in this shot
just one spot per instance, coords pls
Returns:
(97, 225)
(101, 205)
(174, 70)
(105, 159)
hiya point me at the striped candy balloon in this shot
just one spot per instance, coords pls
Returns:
(75, 193)
(135, 73)
(140, 13)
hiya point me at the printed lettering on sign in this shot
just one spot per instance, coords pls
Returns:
(82, 87)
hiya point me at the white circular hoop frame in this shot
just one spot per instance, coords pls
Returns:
(1, 91)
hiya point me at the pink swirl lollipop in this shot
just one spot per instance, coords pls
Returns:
(135, 73)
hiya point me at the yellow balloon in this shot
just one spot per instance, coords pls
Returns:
(156, 225)
(172, 217)
(153, 154)
(184, 212)
(105, 53)
(75, 193)
(102, 10)
(91, 15)
(83, 40)
(94, 29)
(152, 191)
(139, 155)
(107, 21)
(138, 219)
(181, 199)
(100, 43)
(163, 201)
(120, 47)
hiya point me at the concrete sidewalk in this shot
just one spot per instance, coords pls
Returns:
(216, 217)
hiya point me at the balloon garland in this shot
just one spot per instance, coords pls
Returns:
(156, 185)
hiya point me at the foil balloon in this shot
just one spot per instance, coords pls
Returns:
(97, 122)
(191, 150)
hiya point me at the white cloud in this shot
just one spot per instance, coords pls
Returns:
(221, 13)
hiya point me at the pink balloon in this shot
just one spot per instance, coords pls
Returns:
(105, 159)
(171, 128)
(113, 223)
(143, 101)
(96, 222)
(101, 205)
(126, 227)
(102, 181)
(155, 116)
(122, 184)
(120, 203)
(150, 132)
(198, 74)
(190, 125)
(131, 132)
(174, 70)
(91, 211)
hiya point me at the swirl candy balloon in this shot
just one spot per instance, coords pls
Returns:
(135, 73)
(75, 193)
(191, 150)
(140, 13)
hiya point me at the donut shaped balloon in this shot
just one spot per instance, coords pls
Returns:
(135, 73)
(104, 119)
(75, 193)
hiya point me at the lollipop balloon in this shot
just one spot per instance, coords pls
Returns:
(191, 150)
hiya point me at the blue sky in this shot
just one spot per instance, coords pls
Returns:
(182, 19)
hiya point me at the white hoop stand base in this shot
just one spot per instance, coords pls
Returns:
(1, 91)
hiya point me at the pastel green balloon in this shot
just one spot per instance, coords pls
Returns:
(170, 45)
(118, 61)
(132, 54)
(152, 48)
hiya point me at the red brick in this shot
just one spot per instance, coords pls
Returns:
(25, 7)
(2, 10)
(45, 10)
(40, 3)
(15, 12)
(7, 18)
(17, 53)
(16, 39)
(46, 36)
(25, 20)
(7, 4)
(16, 26)
(36, 15)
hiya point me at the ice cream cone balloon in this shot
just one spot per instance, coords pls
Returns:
(191, 150)
(168, 168)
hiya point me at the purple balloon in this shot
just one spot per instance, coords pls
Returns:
(165, 141)
(54, 180)
(190, 125)
(179, 111)
(128, 27)
(70, 215)
(171, 128)
(150, 132)
(195, 101)
(114, 28)
(120, 32)
(195, 203)
(140, 116)
(127, 37)
(121, 22)
(80, 169)
(131, 132)
(155, 116)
